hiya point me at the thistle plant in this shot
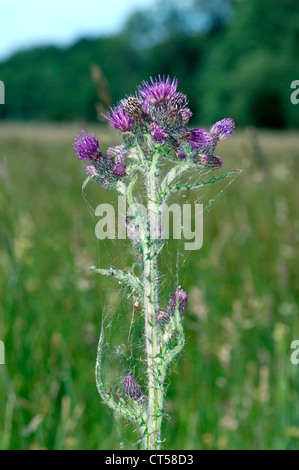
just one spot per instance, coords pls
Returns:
(159, 157)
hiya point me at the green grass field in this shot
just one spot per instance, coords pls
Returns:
(233, 387)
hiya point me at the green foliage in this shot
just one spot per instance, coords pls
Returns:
(248, 72)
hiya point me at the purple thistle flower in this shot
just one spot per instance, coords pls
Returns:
(222, 129)
(91, 171)
(199, 138)
(160, 90)
(158, 134)
(132, 388)
(87, 147)
(208, 161)
(119, 119)
(119, 170)
(181, 297)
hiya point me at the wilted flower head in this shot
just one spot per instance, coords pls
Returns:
(87, 147)
(119, 119)
(159, 91)
(222, 129)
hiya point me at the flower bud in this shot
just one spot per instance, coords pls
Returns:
(119, 170)
(158, 134)
(222, 129)
(133, 108)
(208, 161)
(177, 101)
(132, 388)
(181, 298)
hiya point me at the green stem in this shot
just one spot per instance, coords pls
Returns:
(152, 437)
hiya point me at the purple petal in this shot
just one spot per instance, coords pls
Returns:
(199, 138)
(159, 91)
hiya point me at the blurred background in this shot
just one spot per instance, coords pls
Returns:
(63, 64)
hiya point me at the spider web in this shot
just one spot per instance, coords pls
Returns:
(123, 325)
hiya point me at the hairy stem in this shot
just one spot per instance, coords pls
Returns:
(152, 438)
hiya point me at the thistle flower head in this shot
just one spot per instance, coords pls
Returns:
(158, 134)
(132, 388)
(160, 90)
(199, 138)
(119, 119)
(177, 102)
(87, 147)
(156, 116)
(133, 107)
(222, 129)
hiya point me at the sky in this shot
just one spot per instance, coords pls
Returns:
(28, 23)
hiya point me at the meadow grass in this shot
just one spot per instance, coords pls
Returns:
(233, 387)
